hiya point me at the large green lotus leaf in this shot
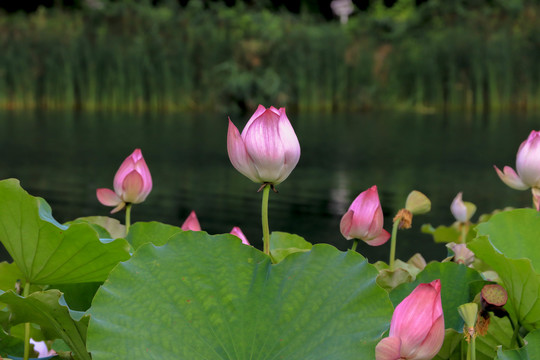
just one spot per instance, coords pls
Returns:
(48, 310)
(515, 234)
(10, 345)
(457, 281)
(455, 347)
(78, 296)
(283, 244)
(519, 279)
(112, 227)
(153, 232)
(210, 297)
(531, 350)
(499, 335)
(9, 274)
(47, 252)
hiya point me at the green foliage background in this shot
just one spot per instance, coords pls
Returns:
(131, 56)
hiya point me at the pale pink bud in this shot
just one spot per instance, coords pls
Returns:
(238, 233)
(41, 348)
(527, 165)
(458, 208)
(191, 223)
(132, 183)
(364, 220)
(417, 327)
(462, 255)
(463, 211)
(267, 150)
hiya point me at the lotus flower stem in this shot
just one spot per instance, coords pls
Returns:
(471, 348)
(354, 245)
(464, 231)
(393, 241)
(26, 292)
(128, 217)
(515, 336)
(264, 212)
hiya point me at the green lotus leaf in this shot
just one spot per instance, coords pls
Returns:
(210, 297)
(47, 252)
(78, 296)
(442, 233)
(499, 335)
(283, 244)
(452, 346)
(48, 310)
(515, 234)
(531, 350)
(520, 280)
(153, 232)
(9, 274)
(457, 282)
(10, 345)
(112, 227)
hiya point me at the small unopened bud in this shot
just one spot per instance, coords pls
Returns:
(417, 203)
(404, 217)
(463, 211)
(462, 255)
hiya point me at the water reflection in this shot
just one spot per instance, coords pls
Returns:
(65, 157)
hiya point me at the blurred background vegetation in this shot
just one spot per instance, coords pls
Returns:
(195, 55)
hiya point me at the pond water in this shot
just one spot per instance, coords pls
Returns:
(65, 157)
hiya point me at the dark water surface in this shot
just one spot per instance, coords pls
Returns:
(65, 157)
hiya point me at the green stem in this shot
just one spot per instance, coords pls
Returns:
(393, 243)
(515, 336)
(26, 292)
(473, 347)
(264, 212)
(464, 231)
(128, 217)
(354, 245)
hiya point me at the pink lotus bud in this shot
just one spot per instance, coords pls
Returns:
(191, 223)
(267, 150)
(238, 233)
(458, 208)
(527, 165)
(364, 220)
(462, 210)
(132, 183)
(462, 255)
(41, 348)
(417, 327)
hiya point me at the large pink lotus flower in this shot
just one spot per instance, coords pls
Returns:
(132, 183)
(527, 166)
(238, 233)
(191, 223)
(417, 327)
(364, 219)
(267, 150)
